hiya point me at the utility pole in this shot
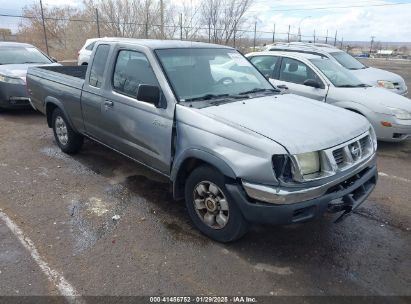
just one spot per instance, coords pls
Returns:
(288, 35)
(98, 24)
(335, 38)
(181, 26)
(255, 34)
(372, 42)
(274, 34)
(342, 40)
(209, 30)
(44, 28)
(326, 38)
(235, 32)
(162, 18)
(314, 36)
(147, 22)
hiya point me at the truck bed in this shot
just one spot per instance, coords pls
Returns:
(62, 83)
(75, 71)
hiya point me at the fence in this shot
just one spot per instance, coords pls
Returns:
(62, 37)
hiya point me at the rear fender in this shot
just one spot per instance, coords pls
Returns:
(51, 104)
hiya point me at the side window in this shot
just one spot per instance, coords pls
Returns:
(132, 69)
(265, 64)
(99, 63)
(295, 71)
(90, 46)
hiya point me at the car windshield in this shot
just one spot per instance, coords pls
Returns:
(21, 55)
(212, 73)
(338, 76)
(347, 61)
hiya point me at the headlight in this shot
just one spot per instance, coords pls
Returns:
(385, 84)
(308, 162)
(400, 114)
(11, 80)
(373, 138)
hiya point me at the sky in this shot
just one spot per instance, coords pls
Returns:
(355, 20)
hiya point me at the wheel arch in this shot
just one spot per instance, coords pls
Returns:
(190, 160)
(52, 104)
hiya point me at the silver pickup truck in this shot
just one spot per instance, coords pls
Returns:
(235, 149)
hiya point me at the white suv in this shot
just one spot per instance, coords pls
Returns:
(85, 52)
(372, 76)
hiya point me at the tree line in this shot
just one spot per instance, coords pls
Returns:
(67, 27)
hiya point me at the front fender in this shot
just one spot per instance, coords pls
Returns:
(204, 156)
(355, 107)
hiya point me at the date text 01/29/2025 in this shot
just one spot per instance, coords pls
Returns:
(203, 299)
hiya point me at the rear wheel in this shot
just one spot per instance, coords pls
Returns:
(67, 139)
(210, 206)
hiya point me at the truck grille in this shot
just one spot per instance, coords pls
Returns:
(364, 142)
(338, 156)
(353, 152)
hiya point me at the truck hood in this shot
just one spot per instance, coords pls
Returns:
(376, 99)
(299, 124)
(372, 75)
(19, 70)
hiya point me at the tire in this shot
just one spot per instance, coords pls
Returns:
(216, 216)
(67, 139)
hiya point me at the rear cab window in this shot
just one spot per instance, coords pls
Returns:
(99, 63)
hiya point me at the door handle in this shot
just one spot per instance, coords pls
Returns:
(108, 104)
(282, 86)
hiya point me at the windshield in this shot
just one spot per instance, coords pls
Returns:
(204, 74)
(21, 55)
(338, 76)
(347, 61)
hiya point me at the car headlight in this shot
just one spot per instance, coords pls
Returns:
(386, 84)
(308, 162)
(11, 80)
(400, 114)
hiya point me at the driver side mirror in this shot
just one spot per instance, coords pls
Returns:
(150, 94)
(312, 83)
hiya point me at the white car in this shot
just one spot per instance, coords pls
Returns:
(372, 76)
(85, 52)
(322, 79)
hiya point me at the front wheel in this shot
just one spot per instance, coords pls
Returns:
(67, 139)
(210, 206)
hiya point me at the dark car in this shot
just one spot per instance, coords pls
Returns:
(15, 59)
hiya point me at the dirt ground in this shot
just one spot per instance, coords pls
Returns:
(65, 204)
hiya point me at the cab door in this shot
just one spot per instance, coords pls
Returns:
(136, 128)
(293, 76)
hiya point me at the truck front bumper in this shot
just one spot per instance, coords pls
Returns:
(346, 195)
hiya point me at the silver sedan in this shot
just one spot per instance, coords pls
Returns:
(322, 79)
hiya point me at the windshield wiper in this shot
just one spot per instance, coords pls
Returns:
(362, 85)
(206, 97)
(258, 90)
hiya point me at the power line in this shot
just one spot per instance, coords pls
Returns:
(331, 7)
